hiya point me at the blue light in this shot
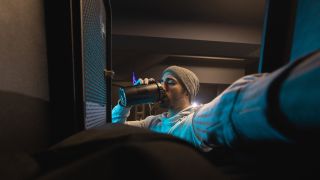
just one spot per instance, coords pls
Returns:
(134, 78)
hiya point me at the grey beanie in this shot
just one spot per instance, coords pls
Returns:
(189, 80)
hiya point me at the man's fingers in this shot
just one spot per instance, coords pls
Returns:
(146, 81)
(152, 80)
(138, 82)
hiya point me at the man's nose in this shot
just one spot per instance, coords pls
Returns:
(163, 84)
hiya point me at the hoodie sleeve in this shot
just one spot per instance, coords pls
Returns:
(120, 114)
(280, 107)
(237, 114)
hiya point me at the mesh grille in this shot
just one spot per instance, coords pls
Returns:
(94, 49)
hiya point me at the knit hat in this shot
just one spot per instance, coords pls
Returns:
(187, 78)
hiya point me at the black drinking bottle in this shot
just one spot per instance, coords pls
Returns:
(142, 94)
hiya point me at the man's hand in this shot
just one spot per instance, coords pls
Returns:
(144, 81)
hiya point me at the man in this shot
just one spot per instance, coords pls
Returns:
(280, 107)
(181, 86)
(204, 126)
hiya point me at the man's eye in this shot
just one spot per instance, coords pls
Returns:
(170, 82)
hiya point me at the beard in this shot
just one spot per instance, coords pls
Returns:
(165, 103)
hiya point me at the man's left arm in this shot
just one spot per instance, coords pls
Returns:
(213, 124)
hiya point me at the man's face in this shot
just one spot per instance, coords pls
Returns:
(174, 90)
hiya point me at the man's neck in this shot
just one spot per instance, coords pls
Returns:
(177, 109)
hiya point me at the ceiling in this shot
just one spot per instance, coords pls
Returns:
(211, 33)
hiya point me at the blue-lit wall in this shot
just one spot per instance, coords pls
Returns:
(306, 37)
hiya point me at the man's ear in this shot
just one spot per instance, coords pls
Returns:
(185, 92)
(188, 95)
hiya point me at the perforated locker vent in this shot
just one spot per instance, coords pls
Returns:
(94, 57)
